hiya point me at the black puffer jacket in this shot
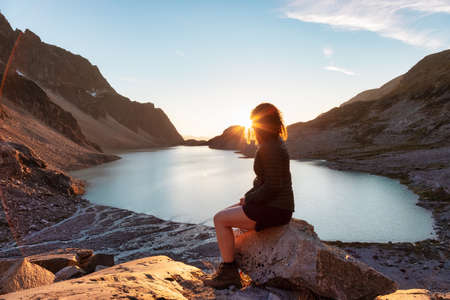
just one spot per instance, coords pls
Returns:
(272, 185)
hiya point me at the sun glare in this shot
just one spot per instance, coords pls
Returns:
(241, 117)
(247, 133)
(247, 124)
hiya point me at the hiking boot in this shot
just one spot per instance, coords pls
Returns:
(225, 276)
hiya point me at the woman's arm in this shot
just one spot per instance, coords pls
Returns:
(272, 162)
(241, 202)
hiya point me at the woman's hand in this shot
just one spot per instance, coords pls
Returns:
(240, 203)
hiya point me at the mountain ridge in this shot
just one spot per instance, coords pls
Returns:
(374, 94)
(415, 113)
(115, 122)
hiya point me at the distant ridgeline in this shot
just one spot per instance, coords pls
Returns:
(68, 94)
(410, 112)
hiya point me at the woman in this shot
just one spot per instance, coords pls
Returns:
(269, 203)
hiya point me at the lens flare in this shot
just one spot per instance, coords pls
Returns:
(8, 64)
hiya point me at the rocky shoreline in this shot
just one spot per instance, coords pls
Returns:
(427, 174)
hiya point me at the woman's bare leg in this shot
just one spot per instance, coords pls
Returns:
(224, 220)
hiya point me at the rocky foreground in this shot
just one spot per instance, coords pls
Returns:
(293, 255)
(62, 274)
(160, 277)
(286, 262)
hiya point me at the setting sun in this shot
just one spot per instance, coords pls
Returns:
(241, 117)
(247, 124)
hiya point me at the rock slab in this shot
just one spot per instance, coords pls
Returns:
(68, 273)
(293, 257)
(157, 277)
(19, 274)
(416, 294)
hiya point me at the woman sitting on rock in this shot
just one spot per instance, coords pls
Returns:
(269, 203)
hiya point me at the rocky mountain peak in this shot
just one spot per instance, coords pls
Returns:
(413, 115)
(31, 35)
(52, 66)
(429, 75)
(5, 27)
(71, 81)
(7, 36)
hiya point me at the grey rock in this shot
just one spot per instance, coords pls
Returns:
(68, 273)
(293, 257)
(98, 259)
(100, 267)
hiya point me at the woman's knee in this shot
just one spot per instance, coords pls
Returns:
(218, 218)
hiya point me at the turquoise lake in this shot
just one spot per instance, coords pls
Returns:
(190, 184)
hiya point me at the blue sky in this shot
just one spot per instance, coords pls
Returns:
(207, 63)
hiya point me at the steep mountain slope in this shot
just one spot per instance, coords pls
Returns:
(30, 118)
(71, 79)
(430, 75)
(50, 145)
(378, 93)
(413, 115)
(30, 97)
(101, 131)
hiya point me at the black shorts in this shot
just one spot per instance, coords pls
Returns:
(266, 216)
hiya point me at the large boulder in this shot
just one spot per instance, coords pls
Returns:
(98, 259)
(293, 257)
(19, 274)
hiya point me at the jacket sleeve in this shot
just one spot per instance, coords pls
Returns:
(272, 178)
(256, 183)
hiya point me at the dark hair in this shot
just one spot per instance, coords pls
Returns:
(267, 123)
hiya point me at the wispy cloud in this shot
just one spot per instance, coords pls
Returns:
(342, 70)
(328, 52)
(180, 53)
(397, 19)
